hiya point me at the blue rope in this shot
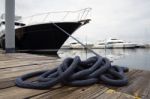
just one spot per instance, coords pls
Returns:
(74, 72)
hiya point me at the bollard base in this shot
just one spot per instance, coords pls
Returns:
(10, 50)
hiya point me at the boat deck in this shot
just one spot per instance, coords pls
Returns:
(13, 65)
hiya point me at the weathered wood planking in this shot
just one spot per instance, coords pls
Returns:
(24, 56)
(90, 92)
(73, 92)
(14, 65)
(19, 63)
(12, 73)
(139, 85)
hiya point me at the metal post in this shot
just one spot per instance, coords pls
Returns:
(9, 26)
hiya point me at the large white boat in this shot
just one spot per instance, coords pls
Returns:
(114, 43)
(117, 43)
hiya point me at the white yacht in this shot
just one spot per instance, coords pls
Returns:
(117, 43)
(99, 44)
(75, 45)
(114, 43)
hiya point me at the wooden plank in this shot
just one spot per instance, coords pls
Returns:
(18, 93)
(11, 60)
(9, 56)
(14, 65)
(9, 75)
(28, 56)
(22, 63)
(112, 94)
(14, 70)
(137, 85)
(82, 93)
(52, 93)
(19, 63)
(4, 57)
(147, 94)
(72, 92)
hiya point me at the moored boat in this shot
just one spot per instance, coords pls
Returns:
(114, 43)
(117, 43)
(75, 45)
(99, 45)
(40, 36)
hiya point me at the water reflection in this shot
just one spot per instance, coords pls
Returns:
(84, 54)
(133, 58)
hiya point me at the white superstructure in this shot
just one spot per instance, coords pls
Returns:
(114, 43)
(117, 43)
(75, 45)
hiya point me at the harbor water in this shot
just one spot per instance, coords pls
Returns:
(132, 58)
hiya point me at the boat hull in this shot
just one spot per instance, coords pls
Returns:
(42, 36)
(124, 45)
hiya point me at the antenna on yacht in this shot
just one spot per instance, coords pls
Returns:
(75, 39)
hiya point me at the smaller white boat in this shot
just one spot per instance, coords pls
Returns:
(75, 45)
(100, 44)
(65, 46)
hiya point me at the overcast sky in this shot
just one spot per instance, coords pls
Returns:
(124, 19)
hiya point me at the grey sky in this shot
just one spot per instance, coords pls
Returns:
(125, 19)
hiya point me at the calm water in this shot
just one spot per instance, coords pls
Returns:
(133, 58)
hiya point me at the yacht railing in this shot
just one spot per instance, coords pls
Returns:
(61, 16)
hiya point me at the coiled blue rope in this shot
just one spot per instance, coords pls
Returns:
(74, 72)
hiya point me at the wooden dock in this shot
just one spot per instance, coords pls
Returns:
(17, 64)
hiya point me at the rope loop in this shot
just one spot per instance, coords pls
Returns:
(74, 72)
